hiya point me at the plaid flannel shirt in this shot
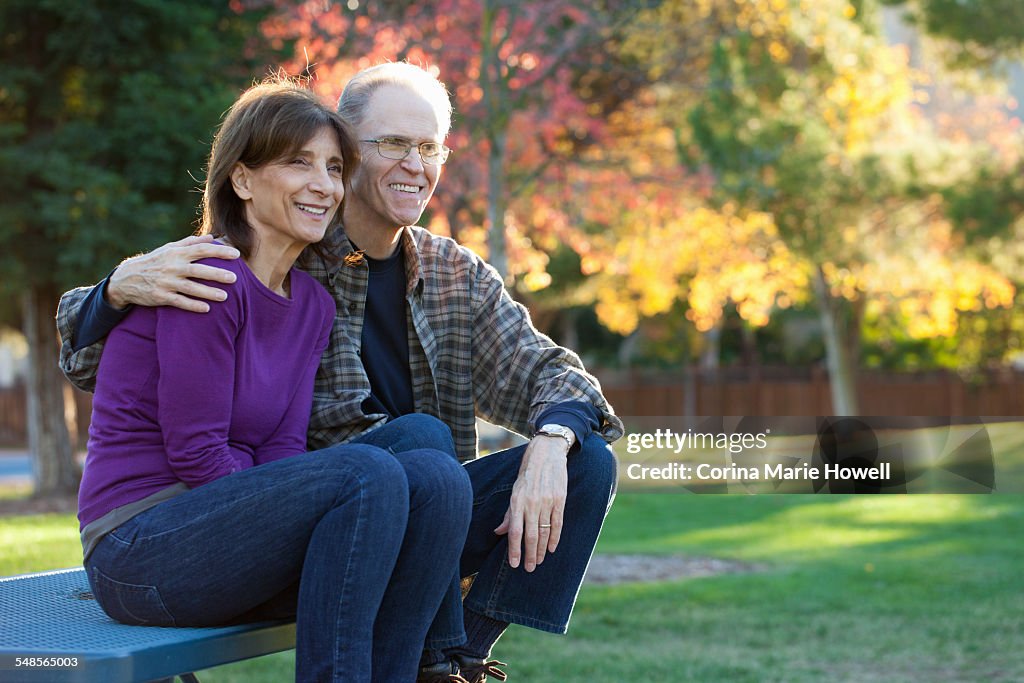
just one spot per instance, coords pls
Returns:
(472, 350)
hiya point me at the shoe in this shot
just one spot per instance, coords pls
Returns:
(442, 672)
(473, 670)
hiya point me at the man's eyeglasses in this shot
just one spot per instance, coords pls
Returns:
(433, 153)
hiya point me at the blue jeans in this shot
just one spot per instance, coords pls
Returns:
(350, 540)
(412, 431)
(542, 599)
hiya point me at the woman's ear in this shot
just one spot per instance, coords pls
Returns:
(241, 181)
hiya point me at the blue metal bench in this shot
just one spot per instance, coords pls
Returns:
(52, 630)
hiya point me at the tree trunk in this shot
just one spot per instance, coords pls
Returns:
(570, 335)
(841, 371)
(495, 102)
(751, 354)
(55, 470)
(710, 355)
(497, 248)
(627, 349)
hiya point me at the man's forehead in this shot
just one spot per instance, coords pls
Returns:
(400, 111)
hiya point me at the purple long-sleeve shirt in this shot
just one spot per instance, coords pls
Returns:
(192, 397)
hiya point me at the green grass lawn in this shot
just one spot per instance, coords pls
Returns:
(891, 588)
(872, 588)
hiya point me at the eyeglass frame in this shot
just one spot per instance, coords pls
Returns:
(445, 150)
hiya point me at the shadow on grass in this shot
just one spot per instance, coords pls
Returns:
(920, 588)
(869, 588)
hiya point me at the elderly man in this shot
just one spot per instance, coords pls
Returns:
(424, 326)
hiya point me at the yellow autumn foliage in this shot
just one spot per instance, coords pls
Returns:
(667, 243)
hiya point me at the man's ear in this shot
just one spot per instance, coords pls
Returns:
(241, 181)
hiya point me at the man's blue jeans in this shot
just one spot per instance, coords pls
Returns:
(357, 543)
(542, 599)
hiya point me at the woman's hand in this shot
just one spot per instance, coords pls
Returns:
(538, 500)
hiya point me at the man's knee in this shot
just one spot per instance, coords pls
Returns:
(593, 470)
(420, 430)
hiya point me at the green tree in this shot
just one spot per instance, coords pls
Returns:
(975, 32)
(106, 114)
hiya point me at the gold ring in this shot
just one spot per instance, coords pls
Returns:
(545, 526)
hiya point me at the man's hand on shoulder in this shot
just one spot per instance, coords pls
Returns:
(167, 276)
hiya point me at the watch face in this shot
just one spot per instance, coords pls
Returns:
(558, 430)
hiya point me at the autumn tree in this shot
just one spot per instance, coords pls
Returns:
(531, 83)
(717, 152)
(807, 121)
(976, 42)
(105, 111)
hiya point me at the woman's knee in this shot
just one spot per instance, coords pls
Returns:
(368, 469)
(428, 467)
(439, 476)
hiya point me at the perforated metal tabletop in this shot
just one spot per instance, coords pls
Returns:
(51, 622)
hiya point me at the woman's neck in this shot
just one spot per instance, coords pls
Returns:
(272, 270)
(271, 266)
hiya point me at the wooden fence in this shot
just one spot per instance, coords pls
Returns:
(730, 391)
(797, 391)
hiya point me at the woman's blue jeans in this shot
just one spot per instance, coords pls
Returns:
(542, 599)
(358, 544)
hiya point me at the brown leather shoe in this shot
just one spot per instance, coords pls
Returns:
(473, 670)
(442, 672)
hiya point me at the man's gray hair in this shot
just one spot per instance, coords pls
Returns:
(356, 97)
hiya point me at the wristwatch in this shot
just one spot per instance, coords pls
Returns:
(559, 431)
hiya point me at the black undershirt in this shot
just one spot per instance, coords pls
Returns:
(385, 341)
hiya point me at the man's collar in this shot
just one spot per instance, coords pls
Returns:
(345, 252)
(347, 255)
(413, 265)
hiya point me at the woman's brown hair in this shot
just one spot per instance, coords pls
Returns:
(269, 121)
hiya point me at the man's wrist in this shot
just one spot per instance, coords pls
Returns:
(112, 294)
(559, 432)
(579, 416)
